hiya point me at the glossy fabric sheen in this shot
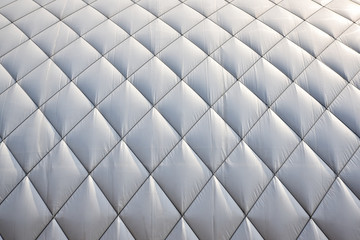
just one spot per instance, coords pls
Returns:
(190, 119)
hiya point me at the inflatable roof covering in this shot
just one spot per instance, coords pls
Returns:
(161, 119)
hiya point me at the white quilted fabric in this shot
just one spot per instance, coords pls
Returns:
(191, 119)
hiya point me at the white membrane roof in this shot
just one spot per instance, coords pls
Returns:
(167, 119)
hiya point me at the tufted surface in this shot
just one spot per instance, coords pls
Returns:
(161, 119)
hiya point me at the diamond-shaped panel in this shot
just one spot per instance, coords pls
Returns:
(328, 136)
(212, 139)
(34, 133)
(99, 80)
(87, 214)
(182, 107)
(150, 214)
(79, 21)
(154, 80)
(291, 64)
(235, 57)
(329, 22)
(124, 107)
(54, 38)
(76, 57)
(244, 176)
(128, 56)
(342, 221)
(23, 59)
(17, 9)
(10, 37)
(156, 36)
(240, 108)
(120, 175)
(281, 20)
(277, 201)
(306, 176)
(210, 80)
(272, 140)
(57, 176)
(266, 81)
(342, 59)
(182, 56)
(207, 30)
(98, 135)
(149, 147)
(65, 109)
(182, 175)
(15, 107)
(23, 214)
(105, 36)
(298, 109)
(314, 43)
(259, 37)
(49, 76)
(36, 22)
(321, 82)
(214, 214)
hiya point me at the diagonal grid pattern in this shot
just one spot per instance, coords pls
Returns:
(140, 103)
